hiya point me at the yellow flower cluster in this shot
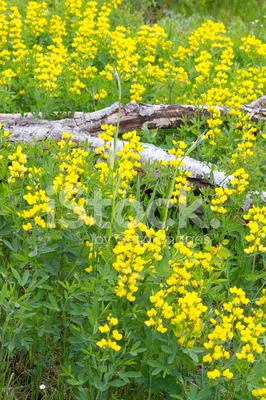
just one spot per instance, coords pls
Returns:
(136, 92)
(239, 182)
(214, 125)
(36, 17)
(128, 159)
(260, 393)
(181, 187)
(222, 195)
(253, 45)
(68, 182)
(101, 95)
(18, 47)
(216, 374)
(67, 186)
(39, 200)
(50, 64)
(17, 168)
(83, 48)
(184, 311)
(103, 166)
(133, 258)
(234, 324)
(36, 198)
(256, 224)
(178, 151)
(248, 132)
(111, 334)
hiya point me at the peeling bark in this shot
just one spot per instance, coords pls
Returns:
(134, 116)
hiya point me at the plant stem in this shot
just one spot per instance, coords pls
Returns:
(112, 161)
(254, 262)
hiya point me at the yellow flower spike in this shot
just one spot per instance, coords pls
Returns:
(89, 269)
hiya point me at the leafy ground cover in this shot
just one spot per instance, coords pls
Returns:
(115, 284)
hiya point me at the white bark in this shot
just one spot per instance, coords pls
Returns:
(86, 126)
(133, 116)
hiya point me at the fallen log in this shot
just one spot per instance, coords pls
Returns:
(133, 116)
(86, 126)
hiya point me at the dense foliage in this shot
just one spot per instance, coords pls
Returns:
(121, 280)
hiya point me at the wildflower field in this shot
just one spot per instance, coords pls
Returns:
(122, 279)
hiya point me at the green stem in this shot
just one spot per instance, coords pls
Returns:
(216, 393)
(254, 263)
(118, 118)
(169, 197)
(115, 187)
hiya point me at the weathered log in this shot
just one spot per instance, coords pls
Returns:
(86, 126)
(134, 116)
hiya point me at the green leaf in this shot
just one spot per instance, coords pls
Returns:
(117, 383)
(139, 350)
(136, 345)
(25, 277)
(6, 231)
(191, 354)
(20, 257)
(132, 374)
(171, 359)
(72, 382)
(33, 253)
(53, 301)
(3, 293)
(156, 371)
(8, 244)
(255, 277)
(16, 275)
(167, 349)
(154, 364)
(223, 252)
(48, 249)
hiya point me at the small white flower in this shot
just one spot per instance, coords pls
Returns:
(42, 386)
